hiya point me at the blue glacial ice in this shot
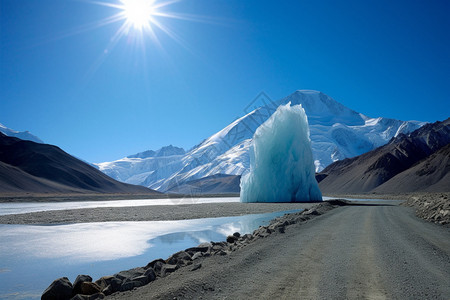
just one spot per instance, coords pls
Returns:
(281, 160)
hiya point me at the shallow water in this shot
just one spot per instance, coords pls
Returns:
(28, 207)
(32, 256)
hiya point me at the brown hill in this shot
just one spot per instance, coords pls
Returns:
(430, 175)
(27, 166)
(367, 172)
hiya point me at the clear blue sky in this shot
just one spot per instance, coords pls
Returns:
(380, 58)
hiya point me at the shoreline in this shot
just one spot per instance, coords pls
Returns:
(149, 213)
(191, 258)
(208, 210)
(31, 197)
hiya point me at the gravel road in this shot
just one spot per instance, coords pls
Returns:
(351, 252)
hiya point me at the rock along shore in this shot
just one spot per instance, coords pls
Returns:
(84, 288)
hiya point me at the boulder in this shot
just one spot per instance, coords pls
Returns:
(203, 247)
(150, 274)
(142, 279)
(156, 265)
(231, 239)
(180, 258)
(89, 288)
(122, 275)
(237, 234)
(78, 281)
(111, 283)
(197, 255)
(247, 236)
(128, 286)
(104, 281)
(60, 289)
(167, 269)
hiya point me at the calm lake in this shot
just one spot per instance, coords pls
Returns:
(32, 256)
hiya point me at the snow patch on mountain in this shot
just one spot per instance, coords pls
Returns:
(23, 135)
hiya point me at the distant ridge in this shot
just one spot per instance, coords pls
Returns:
(24, 135)
(164, 151)
(29, 167)
(416, 162)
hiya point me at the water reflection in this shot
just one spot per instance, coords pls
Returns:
(32, 256)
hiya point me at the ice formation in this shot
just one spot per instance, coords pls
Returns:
(281, 160)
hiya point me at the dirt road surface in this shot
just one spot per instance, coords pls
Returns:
(354, 252)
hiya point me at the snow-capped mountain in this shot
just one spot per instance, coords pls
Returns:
(23, 135)
(336, 132)
(145, 168)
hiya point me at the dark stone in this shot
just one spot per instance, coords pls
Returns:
(96, 296)
(196, 267)
(104, 281)
(79, 297)
(143, 279)
(166, 269)
(312, 212)
(218, 246)
(150, 274)
(247, 236)
(237, 234)
(203, 247)
(89, 288)
(78, 281)
(108, 290)
(113, 285)
(156, 265)
(128, 274)
(60, 289)
(128, 286)
(179, 258)
(197, 255)
(231, 239)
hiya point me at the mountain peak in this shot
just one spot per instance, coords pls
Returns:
(322, 109)
(163, 151)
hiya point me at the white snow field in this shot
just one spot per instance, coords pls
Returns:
(281, 160)
(336, 132)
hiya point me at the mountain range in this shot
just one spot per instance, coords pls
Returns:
(30, 167)
(336, 133)
(419, 161)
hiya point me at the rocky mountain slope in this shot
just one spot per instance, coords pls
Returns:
(336, 132)
(415, 162)
(29, 167)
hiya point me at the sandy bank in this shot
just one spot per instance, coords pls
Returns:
(149, 213)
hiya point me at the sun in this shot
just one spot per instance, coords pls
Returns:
(139, 13)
